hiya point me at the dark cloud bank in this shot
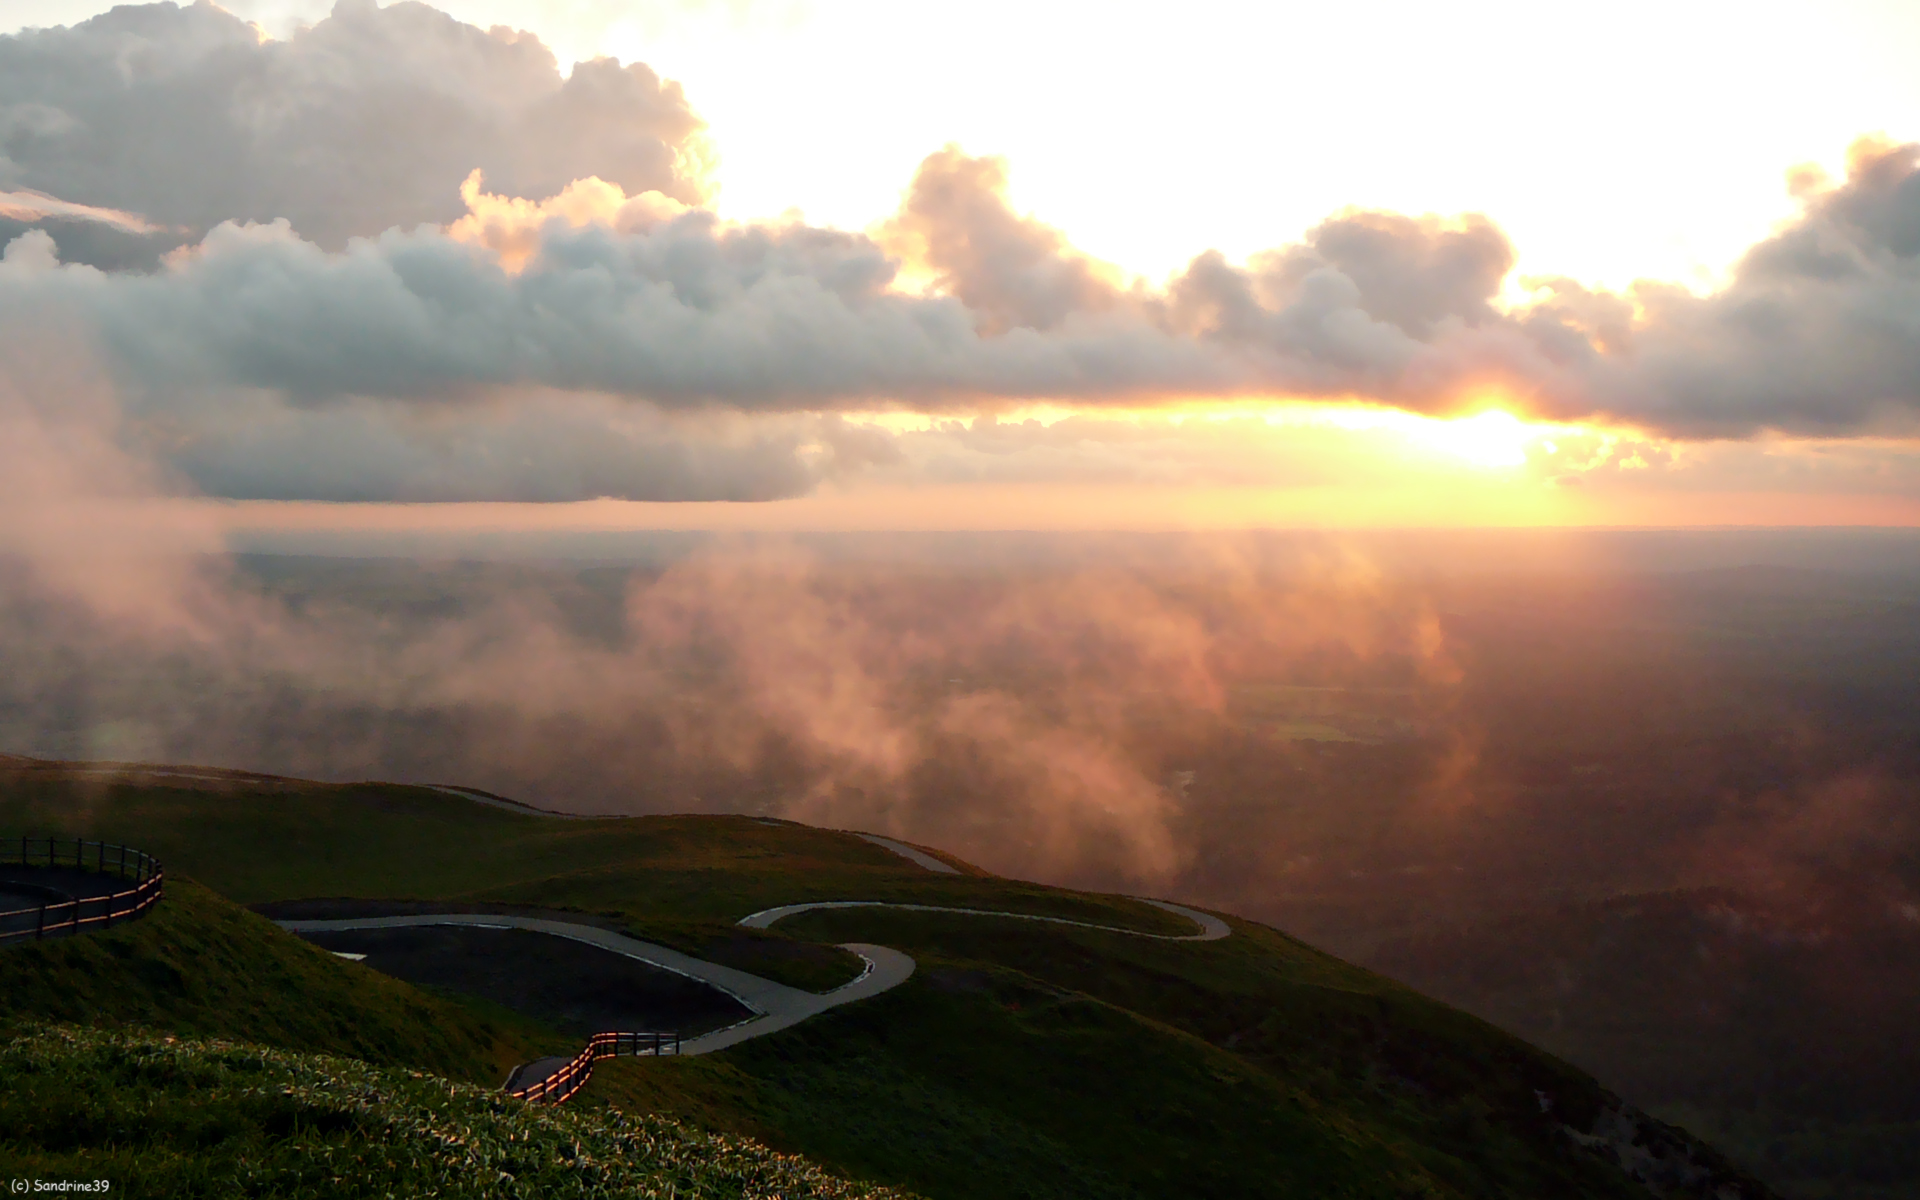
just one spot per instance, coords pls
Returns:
(363, 122)
(318, 332)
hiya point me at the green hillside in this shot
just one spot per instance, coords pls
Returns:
(1781, 1023)
(1021, 1060)
(200, 966)
(169, 1117)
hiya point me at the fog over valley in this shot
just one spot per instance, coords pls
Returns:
(408, 396)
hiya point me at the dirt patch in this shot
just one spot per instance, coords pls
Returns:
(579, 988)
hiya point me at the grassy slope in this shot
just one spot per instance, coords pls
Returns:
(678, 881)
(1019, 1062)
(200, 966)
(188, 1118)
(996, 1087)
(810, 966)
(383, 840)
(1090, 1065)
(1782, 1031)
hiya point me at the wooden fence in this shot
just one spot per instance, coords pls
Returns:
(61, 914)
(570, 1078)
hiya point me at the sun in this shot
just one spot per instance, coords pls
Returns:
(1491, 439)
(1494, 438)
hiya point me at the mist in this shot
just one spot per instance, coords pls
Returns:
(1349, 733)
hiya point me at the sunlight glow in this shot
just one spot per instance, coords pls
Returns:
(770, 75)
(1490, 439)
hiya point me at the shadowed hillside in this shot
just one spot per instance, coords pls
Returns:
(1020, 1060)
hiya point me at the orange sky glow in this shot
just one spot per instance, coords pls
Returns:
(1375, 468)
(1121, 155)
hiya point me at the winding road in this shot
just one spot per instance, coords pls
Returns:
(910, 853)
(775, 1006)
(1212, 928)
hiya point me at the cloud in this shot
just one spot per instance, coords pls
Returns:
(101, 237)
(1418, 273)
(1817, 332)
(530, 448)
(33, 207)
(75, 500)
(590, 343)
(1010, 271)
(364, 121)
(690, 312)
(1023, 717)
(418, 250)
(513, 227)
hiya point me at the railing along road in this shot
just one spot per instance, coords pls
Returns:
(61, 914)
(570, 1078)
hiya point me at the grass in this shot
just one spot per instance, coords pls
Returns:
(1813, 1158)
(164, 1116)
(1093, 1070)
(1021, 1061)
(391, 841)
(980, 1083)
(198, 965)
(809, 966)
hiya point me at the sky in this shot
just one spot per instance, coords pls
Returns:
(796, 265)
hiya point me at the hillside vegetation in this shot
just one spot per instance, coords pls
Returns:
(1780, 1024)
(199, 965)
(171, 1117)
(1019, 1061)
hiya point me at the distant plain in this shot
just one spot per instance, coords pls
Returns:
(1650, 800)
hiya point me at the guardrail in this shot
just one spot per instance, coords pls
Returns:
(560, 1085)
(63, 915)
